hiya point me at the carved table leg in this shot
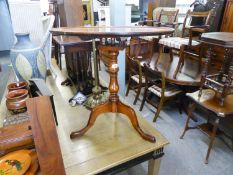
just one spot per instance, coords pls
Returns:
(130, 113)
(93, 116)
(205, 69)
(114, 104)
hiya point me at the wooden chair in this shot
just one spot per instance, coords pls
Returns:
(155, 84)
(163, 17)
(136, 78)
(141, 49)
(188, 45)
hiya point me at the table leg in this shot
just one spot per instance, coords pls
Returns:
(56, 52)
(113, 104)
(153, 166)
(59, 57)
(216, 123)
(191, 108)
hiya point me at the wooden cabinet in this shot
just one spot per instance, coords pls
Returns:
(227, 21)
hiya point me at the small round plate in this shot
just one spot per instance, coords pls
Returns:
(15, 163)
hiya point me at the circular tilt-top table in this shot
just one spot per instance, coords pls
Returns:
(112, 40)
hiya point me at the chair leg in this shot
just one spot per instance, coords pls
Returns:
(158, 109)
(138, 93)
(128, 88)
(160, 53)
(180, 63)
(216, 123)
(200, 59)
(181, 104)
(171, 54)
(191, 107)
(144, 99)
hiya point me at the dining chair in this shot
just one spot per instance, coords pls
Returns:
(155, 84)
(136, 78)
(162, 17)
(141, 49)
(187, 45)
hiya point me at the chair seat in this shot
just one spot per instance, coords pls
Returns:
(151, 38)
(170, 90)
(136, 78)
(176, 42)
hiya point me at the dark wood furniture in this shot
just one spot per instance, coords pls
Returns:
(136, 78)
(187, 46)
(221, 82)
(112, 41)
(45, 136)
(166, 18)
(152, 4)
(78, 59)
(155, 84)
(140, 49)
(53, 10)
(227, 22)
(70, 13)
(209, 102)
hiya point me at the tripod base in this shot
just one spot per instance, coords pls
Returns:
(98, 97)
(119, 107)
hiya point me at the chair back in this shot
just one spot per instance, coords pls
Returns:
(154, 75)
(134, 67)
(168, 16)
(141, 48)
(165, 14)
(203, 17)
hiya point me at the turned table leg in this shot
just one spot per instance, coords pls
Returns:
(113, 104)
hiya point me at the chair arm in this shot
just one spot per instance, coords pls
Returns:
(201, 29)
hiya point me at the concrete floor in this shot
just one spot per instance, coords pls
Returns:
(182, 156)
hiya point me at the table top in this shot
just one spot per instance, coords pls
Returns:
(223, 39)
(112, 31)
(110, 142)
(210, 102)
(189, 75)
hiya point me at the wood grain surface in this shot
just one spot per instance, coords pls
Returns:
(45, 135)
(112, 31)
(110, 142)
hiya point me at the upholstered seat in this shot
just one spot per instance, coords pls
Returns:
(177, 42)
(187, 46)
(170, 90)
(156, 85)
(136, 78)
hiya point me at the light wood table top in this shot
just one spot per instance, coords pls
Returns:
(110, 142)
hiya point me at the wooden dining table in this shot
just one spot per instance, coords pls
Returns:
(112, 40)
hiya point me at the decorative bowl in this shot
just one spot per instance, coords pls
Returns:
(16, 100)
(17, 85)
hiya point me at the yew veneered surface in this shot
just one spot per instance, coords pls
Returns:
(112, 31)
